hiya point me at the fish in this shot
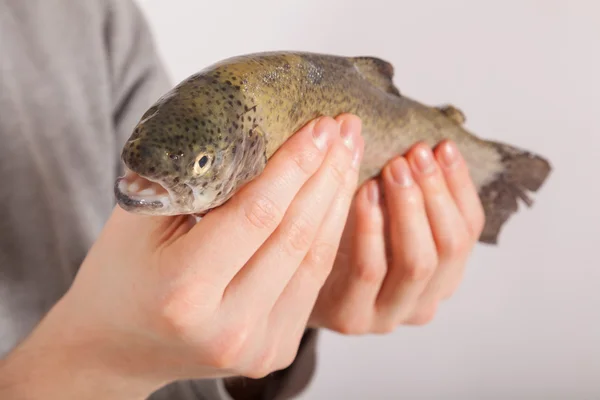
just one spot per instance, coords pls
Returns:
(215, 131)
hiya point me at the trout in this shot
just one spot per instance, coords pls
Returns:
(199, 143)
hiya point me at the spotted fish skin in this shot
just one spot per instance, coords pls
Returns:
(239, 111)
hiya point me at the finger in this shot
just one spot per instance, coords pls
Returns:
(273, 265)
(447, 224)
(123, 225)
(288, 318)
(294, 306)
(353, 290)
(461, 186)
(226, 238)
(413, 251)
(444, 216)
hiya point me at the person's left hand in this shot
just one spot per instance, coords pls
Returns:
(401, 255)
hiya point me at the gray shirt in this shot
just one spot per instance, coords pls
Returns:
(75, 76)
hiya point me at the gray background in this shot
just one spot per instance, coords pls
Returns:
(525, 322)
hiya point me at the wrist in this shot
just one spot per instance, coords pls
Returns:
(59, 361)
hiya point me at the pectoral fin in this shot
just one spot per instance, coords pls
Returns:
(259, 140)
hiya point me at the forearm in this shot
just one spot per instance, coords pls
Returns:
(55, 362)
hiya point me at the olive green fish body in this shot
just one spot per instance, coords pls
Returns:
(235, 115)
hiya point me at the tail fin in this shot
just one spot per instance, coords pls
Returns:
(523, 172)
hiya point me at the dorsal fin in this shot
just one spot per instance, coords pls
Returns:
(453, 113)
(377, 71)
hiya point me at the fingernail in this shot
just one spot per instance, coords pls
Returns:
(401, 172)
(320, 136)
(373, 192)
(347, 135)
(449, 154)
(424, 159)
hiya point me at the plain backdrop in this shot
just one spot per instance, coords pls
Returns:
(525, 323)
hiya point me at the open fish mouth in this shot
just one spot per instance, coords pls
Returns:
(136, 193)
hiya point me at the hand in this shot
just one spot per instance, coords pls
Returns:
(159, 299)
(401, 255)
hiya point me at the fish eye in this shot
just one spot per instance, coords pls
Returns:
(202, 163)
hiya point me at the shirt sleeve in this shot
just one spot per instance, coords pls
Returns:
(138, 75)
(139, 78)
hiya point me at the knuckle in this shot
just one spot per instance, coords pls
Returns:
(304, 160)
(355, 325)
(176, 313)
(258, 373)
(264, 363)
(299, 234)
(252, 374)
(320, 259)
(386, 327)
(226, 350)
(369, 273)
(420, 267)
(456, 245)
(274, 358)
(288, 357)
(262, 213)
(171, 263)
(423, 316)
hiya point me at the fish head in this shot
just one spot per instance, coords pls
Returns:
(178, 160)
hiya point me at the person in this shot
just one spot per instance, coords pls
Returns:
(96, 302)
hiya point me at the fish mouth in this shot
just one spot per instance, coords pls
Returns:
(136, 193)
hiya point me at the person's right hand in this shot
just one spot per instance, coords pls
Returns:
(159, 299)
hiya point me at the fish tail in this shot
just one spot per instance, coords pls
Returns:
(523, 173)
